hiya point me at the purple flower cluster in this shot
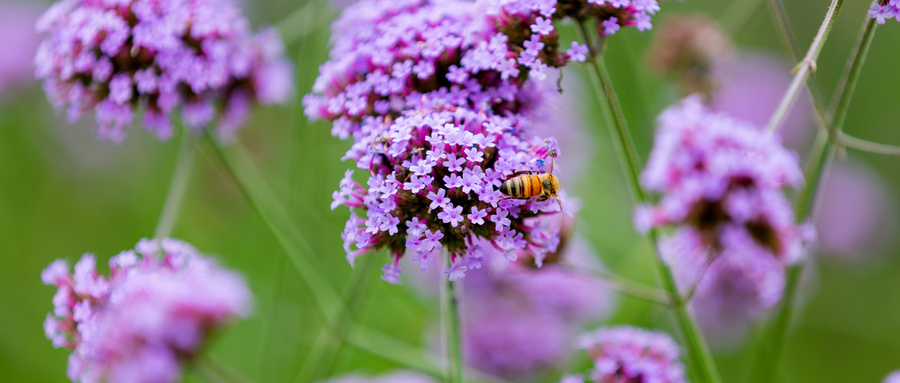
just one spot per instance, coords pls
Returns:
(526, 27)
(117, 57)
(885, 9)
(630, 355)
(721, 179)
(154, 312)
(439, 122)
(519, 320)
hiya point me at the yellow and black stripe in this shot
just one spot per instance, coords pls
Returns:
(525, 186)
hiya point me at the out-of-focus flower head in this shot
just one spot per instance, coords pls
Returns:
(885, 10)
(119, 57)
(856, 215)
(20, 42)
(690, 50)
(520, 320)
(160, 303)
(530, 38)
(721, 178)
(632, 355)
(439, 131)
(730, 291)
(393, 377)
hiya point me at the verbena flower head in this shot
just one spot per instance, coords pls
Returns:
(721, 178)
(20, 42)
(117, 57)
(532, 43)
(630, 355)
(731, 290)
(155, 310)
(520, 320)
(885, 10)
(438, 127)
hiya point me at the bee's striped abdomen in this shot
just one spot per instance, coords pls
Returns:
(525, 186)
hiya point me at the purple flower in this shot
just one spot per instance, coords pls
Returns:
(885, 9)
(118, 57)
(442, 147)
(629, 354)
(610, 26)
(855, 215)
(541, 44)
(578, 52)
(151, 315)
(721, 178)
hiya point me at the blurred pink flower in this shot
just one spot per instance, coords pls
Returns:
(19, 43)
(855, 215)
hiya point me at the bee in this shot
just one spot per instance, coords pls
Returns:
(525, 184)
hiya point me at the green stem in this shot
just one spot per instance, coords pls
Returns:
(771, 351)
(301, 22)
(627, 287)
(263, 202)
(869, 146)
(700, 357)
(738, 16)
(452, 335)
(214, 372)
(805, 67)
(327, 343)
(177, 187)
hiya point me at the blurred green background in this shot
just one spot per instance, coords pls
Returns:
(62, 194)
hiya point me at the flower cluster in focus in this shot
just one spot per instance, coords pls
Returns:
(631, 355)
(119, 57)
(885, 9)
(154, 311)
(532, 42)
(439, 127)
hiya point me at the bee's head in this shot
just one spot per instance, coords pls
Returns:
(550, 184)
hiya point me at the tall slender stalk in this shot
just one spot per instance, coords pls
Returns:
(701, 360)
(278, 224)
(327, 343)
(178, 186)
(452, 330)
(805, 67)
(771, 351)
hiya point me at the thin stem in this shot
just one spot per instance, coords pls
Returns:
(627, 287)
(177, 187)
(214, 372)
(301, 22)
(327, 343)
(792, 48)
(805, 67)
(452, 335)
(278, 224)
(869, 146)
(701, 359)
(771, 351)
